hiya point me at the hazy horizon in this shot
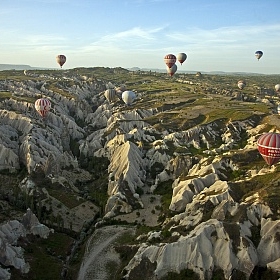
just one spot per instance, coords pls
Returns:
(216, 36)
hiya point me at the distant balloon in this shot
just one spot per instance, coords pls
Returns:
(278, 109)
(241, 84)
(128, 97)
(61, 59)
(258, 54)
(269, 147)
(170, 60)
(42, 106)
(110, 94)
(171, 71)
(277, 87)
(181, 57)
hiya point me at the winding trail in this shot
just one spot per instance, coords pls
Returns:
(100, 254)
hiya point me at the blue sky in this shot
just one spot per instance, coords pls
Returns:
(216, 35)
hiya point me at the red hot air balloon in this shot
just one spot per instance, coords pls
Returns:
(61, 59)
(170, 60)
(42, 106)
(269, 147)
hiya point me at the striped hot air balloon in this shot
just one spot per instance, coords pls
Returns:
(170, 60)
(42, 106)
(269, 147)
(110, 94)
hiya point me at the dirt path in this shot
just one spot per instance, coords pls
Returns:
(100, 257)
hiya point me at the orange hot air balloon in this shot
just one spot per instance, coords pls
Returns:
(42, 106)
(269, 147)
(61, 59)
(170, 60)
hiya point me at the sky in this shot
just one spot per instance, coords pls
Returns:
(216, 35)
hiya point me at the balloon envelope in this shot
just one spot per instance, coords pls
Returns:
(241, 84)
(128, 97)
(61, 59)
(42, 106)
(170, 60)
(110, 94)
(277, 87)
(171, 71)
(269, 147)
(181, 57)
(258, 54)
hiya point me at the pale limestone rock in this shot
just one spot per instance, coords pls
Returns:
(205, 247)
(183, 191)
(275, 266)
(269, 246)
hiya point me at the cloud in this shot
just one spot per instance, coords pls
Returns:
(227, 36)
(133, 38)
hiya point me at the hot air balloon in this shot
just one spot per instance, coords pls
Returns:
(241, 84)
(42, 106)
(171, 71)
(278, 109)
(258, 54)
(277, 87)
(181, 57)
(61, 59)
(128, 97)
(269, 147)
(170, 60)
(110, 94)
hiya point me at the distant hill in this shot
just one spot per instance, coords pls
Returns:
(15, 67)
(19, 67)
(194, 72)
(28, 67)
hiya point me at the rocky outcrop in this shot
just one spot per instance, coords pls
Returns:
(11, 255)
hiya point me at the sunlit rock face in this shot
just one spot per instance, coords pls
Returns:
(126, 174)
(204, 248)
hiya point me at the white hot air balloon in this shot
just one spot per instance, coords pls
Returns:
(181, 57)
(171, 71)
(128, 97)
(277, 87)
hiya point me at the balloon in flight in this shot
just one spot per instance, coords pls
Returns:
(110, 94)
(181, 57)
(241, 84)
(277, 87)
(269, 147)
(170, 60)
(61, 59)
(128, 97)
(171, 71)
(42, 106)
(258, 54)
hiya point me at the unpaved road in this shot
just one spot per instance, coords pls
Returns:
(100, 255)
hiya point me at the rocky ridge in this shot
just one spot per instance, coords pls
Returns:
(212, 222)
